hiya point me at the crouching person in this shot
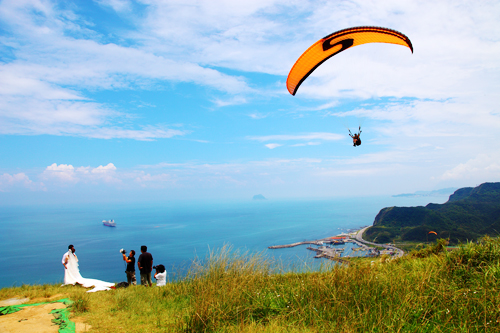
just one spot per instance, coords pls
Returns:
(160, 275)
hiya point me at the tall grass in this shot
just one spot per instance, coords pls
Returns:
(432, 291)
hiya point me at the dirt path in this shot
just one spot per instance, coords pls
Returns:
(35, 318)
(31, 319)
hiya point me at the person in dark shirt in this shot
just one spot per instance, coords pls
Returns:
(130, 271)
(145, 264)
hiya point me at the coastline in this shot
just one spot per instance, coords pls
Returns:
(176, 234)
(332, 252)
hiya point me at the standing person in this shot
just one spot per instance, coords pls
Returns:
(72, 273)
(130, 271)
(145, 264)
(65, 259)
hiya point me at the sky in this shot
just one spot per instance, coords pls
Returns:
(134, 100)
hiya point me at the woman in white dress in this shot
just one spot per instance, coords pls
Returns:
(72, 273)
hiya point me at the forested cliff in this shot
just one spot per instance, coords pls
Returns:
(468, 214)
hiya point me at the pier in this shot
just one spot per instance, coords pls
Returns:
(324, 251)
(332, 255)
(317, 242)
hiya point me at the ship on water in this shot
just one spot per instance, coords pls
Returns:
(109, 223)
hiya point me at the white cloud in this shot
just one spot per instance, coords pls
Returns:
(179, 38)
(306, 144)
(9, 182)
(436, 108)
(162, 165)
(52, 57)
(61, 172)
(258, 115)
(482, 168)
(433, 71)
(104, 169)
(299, 137)
(252, 36)
(106, 174)
(227, 34)
(236, 100)
(249, 37)
(67, 174)
(273, 145)
(117, 5)
(147, 177)
(76, 118)
(146, 134)
(26, 81)
(41, 88)
(30, 114)
(161, 180)
(300, 177)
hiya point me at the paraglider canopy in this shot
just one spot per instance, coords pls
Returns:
(433, 232)
(335, 43)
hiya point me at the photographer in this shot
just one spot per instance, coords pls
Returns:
(160, 275)
(130, 271)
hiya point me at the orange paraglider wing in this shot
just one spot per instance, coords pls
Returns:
(433, 232)
(335, 43)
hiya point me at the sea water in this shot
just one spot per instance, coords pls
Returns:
(33, 239)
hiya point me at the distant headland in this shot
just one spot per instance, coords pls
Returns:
(258, 197)
(435, 193)
(469, 213)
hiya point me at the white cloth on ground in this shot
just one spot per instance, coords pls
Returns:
(72, 276)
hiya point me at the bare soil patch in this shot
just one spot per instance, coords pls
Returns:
(31, 319)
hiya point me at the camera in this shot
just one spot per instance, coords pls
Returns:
(159, 268)
(122, 251)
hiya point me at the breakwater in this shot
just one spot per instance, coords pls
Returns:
(295, 244)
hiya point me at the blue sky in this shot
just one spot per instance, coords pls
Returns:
(146, 99)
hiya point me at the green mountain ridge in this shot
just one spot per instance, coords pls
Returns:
(469, 213)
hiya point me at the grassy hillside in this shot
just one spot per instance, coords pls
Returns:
(470, 213)
(427, 291)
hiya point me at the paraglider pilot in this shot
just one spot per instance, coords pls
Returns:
(356, 140)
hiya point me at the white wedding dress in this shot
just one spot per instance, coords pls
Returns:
(72, 276)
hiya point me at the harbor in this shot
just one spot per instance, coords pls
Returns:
(334, 248)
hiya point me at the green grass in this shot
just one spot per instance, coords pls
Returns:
(429, 290)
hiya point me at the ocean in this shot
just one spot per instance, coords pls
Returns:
(33, 239)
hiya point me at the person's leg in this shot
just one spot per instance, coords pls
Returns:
(149, 280)
(134, 281)
(129, 277)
